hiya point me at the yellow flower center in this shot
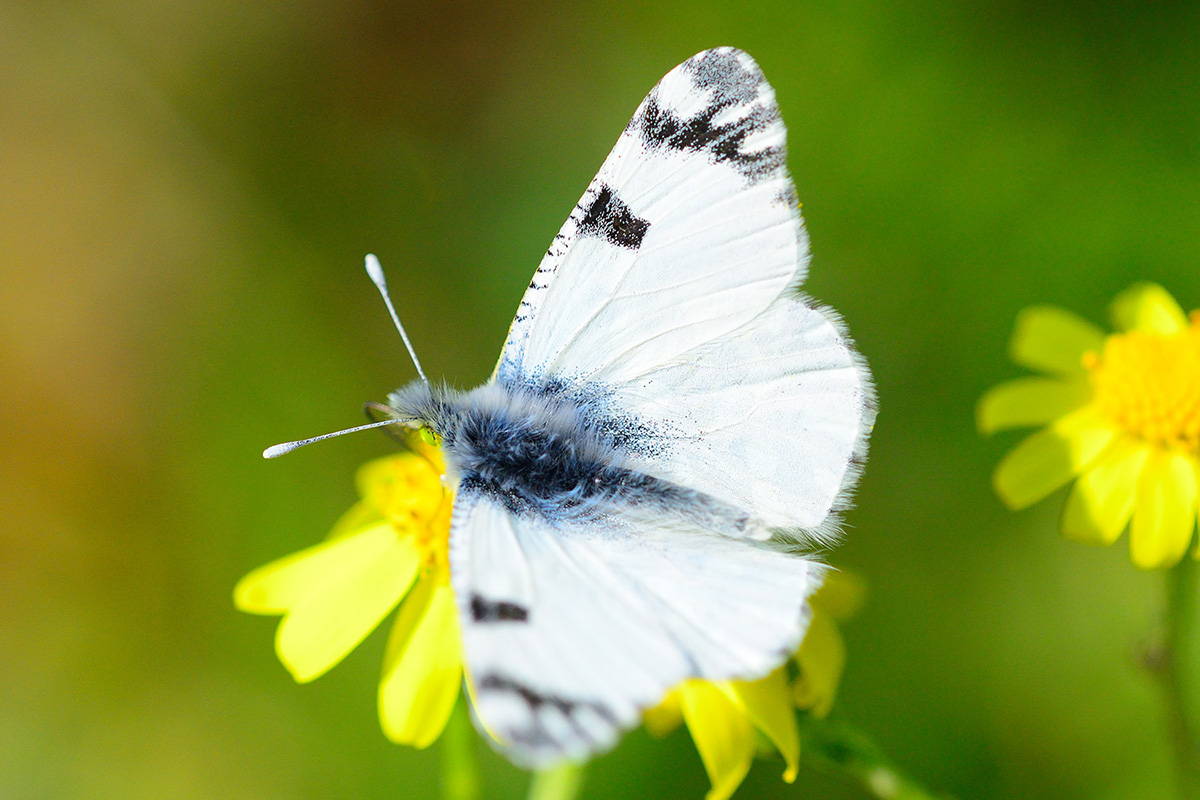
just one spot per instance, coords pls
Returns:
(408, 490)
(1149, 384)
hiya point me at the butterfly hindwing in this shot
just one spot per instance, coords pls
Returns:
(602, 619)
(772, 418)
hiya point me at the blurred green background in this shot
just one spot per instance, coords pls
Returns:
(186, 193)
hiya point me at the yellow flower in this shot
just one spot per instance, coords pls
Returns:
(822, 655)
(722, 716)
(390, 547)
(1121, 413)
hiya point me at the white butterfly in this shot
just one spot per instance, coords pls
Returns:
(667, 421)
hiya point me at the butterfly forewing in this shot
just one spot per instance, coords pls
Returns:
(689, 230)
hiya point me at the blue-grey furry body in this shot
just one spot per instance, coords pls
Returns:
(547, 450)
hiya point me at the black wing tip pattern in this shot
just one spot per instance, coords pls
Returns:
(732, 72)
(740, 105)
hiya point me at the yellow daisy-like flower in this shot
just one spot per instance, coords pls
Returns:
(722, 716)
(1122, 415)
(390, 547)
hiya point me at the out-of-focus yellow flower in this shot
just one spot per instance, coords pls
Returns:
(1121, 413)
(822, 655)
(389, 547)
(723, 716)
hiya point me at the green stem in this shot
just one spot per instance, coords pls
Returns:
(1177, 668)
(460, 770)
(557, 783)
(842, 751)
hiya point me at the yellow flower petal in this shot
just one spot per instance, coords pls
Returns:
(422, 670)
(1164, 513)
(1148, 307)
(1051, 339)
(368, 574)
(1196, 551)
(722, 732)
(664, 717)
(822, 657)
(1101, 501)
(481, 724)
(768, 703)
(1028, 402)
(1051, 457)
(274, 588)
(360, 515)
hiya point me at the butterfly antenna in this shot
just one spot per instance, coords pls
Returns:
(275, 451)
(376, 273)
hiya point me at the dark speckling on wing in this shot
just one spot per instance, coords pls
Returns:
(736, 110)
(569, 712)
(735, 79)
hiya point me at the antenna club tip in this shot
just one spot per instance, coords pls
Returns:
(374, 270)
(276, 450)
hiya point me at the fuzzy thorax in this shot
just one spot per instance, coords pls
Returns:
(543, 452)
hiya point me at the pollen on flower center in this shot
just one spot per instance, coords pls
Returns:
(1149, 384)
(408, 491)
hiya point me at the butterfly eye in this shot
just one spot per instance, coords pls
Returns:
(429, 437)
